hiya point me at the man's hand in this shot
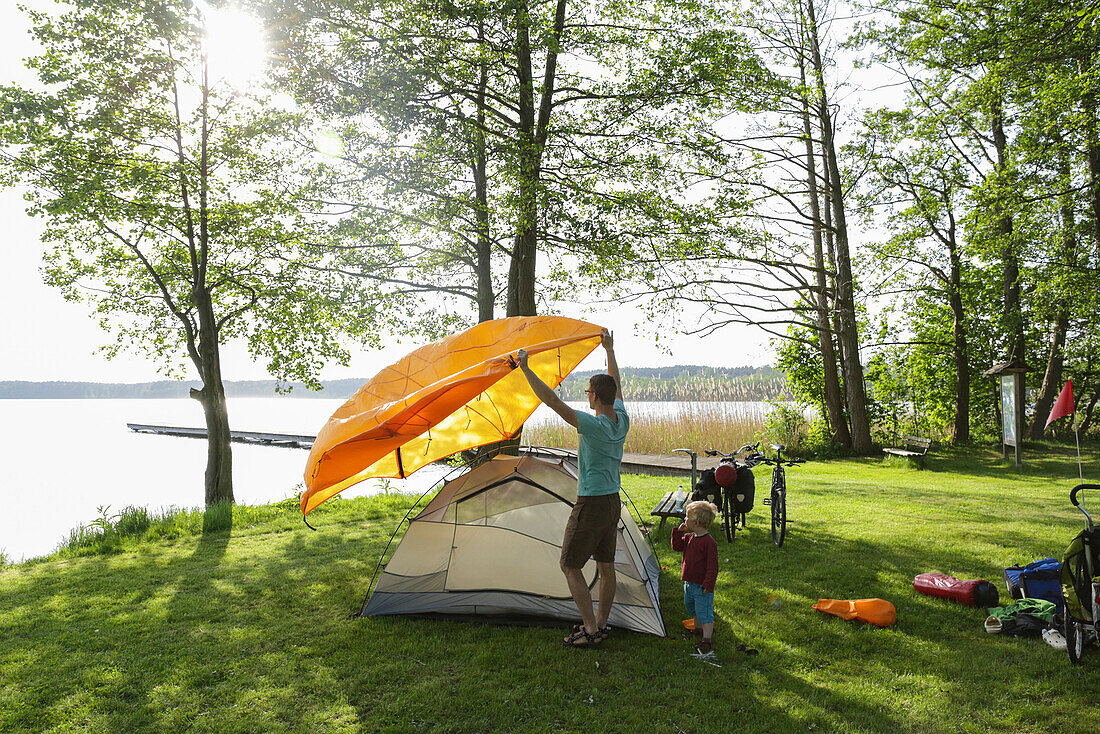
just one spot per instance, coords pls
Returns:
(608, 342)
(543, 391)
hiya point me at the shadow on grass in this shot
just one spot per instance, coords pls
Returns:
(136, 620)
(1040, 458)
(830, 665)
(246, 631)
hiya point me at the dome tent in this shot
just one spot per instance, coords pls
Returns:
(488, 545)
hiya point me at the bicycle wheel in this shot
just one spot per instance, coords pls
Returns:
(729, 518)
(779, 516)
(1075, 640)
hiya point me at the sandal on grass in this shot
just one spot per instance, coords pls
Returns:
(582, 639)
(603, 633)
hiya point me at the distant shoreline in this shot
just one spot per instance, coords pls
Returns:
(682, 383)
(168, 389)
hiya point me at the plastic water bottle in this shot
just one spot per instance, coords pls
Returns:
(678, 499)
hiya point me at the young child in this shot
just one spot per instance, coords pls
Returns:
(700, 567)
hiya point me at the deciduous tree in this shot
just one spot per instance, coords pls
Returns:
(171, 203)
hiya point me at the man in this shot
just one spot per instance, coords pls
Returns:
(591, 530)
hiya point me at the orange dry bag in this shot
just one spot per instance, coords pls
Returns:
(876, 611)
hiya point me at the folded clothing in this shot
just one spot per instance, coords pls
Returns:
(1035, 607)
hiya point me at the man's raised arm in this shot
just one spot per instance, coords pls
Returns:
(612, 364)
(545, 393)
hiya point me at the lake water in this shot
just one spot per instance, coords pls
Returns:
(65, 458)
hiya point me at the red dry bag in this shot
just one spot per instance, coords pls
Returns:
(973, 593)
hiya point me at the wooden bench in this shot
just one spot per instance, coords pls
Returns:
(664, 509)
(915, 450)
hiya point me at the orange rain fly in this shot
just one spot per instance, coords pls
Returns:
(451, 395)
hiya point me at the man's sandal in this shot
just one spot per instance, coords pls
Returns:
(603, 633)
(582, 639)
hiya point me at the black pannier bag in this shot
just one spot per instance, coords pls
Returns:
(744, 492)
(707, 489)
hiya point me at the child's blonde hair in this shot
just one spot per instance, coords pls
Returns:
(702, 511)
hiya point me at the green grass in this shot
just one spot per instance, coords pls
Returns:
(245, 629)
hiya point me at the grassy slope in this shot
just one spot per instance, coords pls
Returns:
(246, 630)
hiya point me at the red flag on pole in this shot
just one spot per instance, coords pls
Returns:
(1063, 406)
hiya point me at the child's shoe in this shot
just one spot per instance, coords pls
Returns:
(703, 647)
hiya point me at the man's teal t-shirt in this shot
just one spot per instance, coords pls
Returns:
(601, 451)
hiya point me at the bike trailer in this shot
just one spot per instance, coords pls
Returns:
(1079, 587)
(1041, 579)
(1081, 584)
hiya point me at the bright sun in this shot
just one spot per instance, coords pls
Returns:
(236, 46)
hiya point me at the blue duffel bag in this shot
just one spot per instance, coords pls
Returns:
(1037, 580)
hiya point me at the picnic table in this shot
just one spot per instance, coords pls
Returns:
(666, 509)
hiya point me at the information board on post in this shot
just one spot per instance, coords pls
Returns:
(1008, 408)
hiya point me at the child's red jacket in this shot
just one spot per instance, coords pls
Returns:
(700, 564)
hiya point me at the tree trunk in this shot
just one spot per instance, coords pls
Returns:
(1013, 315)
(1085, 380)
(1052, 376)
(486, 297)
(219, 456)
(521, 271)
(845, 295)
(834, 409)
(960, 347)
(534, 126)
(1092, 144)
(1083, 426)
(203, 346)
(834, 317)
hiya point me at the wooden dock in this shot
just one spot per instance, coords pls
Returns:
(675, 465)
(663, 465)
(283, 440)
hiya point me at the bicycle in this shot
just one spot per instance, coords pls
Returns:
(778, 498)
(736, 504)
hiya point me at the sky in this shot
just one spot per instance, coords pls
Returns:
(44, 338)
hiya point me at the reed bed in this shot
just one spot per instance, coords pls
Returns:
(695, 426)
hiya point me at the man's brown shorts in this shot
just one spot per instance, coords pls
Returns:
(591, 531)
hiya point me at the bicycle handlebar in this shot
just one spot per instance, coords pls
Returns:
(746, 447)
(782, 462)
(755, 455)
